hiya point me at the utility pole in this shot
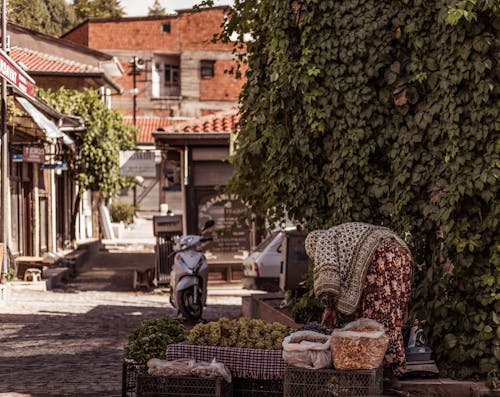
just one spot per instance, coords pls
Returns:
(5, 159)
(134, 73)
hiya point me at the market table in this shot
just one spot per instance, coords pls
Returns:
(243, 363)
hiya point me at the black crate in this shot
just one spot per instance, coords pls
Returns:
(182, 386)
(302, 382)
(244, 387)
(130, 371)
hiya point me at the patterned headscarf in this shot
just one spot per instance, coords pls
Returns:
(341, 257)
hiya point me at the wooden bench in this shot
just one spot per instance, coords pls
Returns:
(24, 263)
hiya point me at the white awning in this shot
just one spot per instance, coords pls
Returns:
(47, 126)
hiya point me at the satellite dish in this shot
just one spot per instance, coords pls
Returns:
(138, 63)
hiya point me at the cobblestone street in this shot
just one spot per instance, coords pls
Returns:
(69, 341)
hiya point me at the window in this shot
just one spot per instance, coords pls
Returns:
(207, 69)
(165, 27)
(171, 75)
(166, 76)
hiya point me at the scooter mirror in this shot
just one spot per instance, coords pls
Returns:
(208, 224)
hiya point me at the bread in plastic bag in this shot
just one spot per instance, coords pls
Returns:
(180, 367)
(212, 369)
(307, 349)
(361, 344)
(188, 367)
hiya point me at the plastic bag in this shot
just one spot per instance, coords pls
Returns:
(180, 367)
(188, 367)
(361, 344)
(307, 349)
(213, 369)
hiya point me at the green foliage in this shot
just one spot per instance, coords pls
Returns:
(387, 113)
(307, 307)
(52, 17)
(85, 9)
(96, 166)
(122, 212)
(151, 338)
(156, 9)
(469, 9)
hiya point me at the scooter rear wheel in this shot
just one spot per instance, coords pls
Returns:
(187, 307)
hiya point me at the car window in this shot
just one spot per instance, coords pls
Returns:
(264, 243)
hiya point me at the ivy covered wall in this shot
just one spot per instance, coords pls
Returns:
(385, 112)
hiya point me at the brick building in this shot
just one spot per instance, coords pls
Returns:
(178, 70)
(43, 192)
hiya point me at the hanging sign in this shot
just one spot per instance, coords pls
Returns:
(16, 76)
(138, 163)
(33, 154)
(55, 166)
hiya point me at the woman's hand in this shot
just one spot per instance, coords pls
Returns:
(329, 318)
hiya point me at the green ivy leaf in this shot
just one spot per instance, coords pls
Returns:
(450, 341)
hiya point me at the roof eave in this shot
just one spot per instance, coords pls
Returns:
(162, 138)
(99, 75)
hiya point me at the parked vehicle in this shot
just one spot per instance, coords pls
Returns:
(261, 269)
(189, 275)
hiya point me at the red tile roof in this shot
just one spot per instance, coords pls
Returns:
(35, 61)
(223, 121)
(148, 125)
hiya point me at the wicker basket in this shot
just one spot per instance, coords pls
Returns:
(302, 382)
(182, 386)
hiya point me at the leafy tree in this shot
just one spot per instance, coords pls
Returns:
(85, 9)
(156, 9)
(96, 166)
(386, 113)
(52, 17)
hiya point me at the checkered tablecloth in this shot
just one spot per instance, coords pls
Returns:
(243, 363)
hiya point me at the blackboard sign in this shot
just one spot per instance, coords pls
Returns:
(231, 231)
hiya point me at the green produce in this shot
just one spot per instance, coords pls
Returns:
(151, 337)
(243, 333)
(385, 112)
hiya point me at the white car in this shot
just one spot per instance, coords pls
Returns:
(261, 269)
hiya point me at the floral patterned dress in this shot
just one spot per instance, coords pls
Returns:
(385, 298)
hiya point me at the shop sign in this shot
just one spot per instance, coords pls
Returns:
(232, 224)
(17, 158)
(138, 163)
(15, 75)
(55, 166)
(33, 154)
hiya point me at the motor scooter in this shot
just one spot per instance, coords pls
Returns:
(189, 275)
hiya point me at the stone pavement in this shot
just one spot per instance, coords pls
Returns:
(69, 341)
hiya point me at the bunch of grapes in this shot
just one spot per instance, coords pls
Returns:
(243, 333)
(315, 326)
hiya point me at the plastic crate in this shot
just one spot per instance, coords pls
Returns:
(130, 371)
(247, 387)
(182, 386)
(302, 382)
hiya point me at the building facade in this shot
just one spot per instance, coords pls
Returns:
(42, 189)
(172, 67)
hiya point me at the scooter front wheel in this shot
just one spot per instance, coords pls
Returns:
(188, 307)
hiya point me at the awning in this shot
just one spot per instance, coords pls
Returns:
(48, 126)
